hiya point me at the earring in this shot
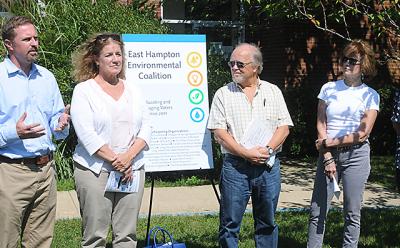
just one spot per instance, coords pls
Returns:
(362, 77)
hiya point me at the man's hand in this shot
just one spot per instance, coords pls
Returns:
(63, 120)
(257, 155)
(30, 131)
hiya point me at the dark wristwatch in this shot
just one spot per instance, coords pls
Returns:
(270, 150)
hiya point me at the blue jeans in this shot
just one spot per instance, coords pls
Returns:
(239, 180)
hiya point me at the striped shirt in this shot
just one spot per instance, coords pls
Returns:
(232, 111)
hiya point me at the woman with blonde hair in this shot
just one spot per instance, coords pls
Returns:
(347, 111)
(110, 120)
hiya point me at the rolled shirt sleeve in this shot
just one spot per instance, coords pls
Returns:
(58, 109)
(284, 118)
(8, 133)
(217, 119)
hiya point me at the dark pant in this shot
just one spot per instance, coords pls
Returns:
(397, 162)
(239, 180)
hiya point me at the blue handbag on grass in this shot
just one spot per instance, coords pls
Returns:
(165, 236)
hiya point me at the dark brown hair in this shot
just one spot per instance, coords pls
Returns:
(8, 29)
(367, 55)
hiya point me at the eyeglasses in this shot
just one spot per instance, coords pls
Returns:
(104, 37)
(239, 64)
(351, 61)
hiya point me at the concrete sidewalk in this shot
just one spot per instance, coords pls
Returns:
(297, 184)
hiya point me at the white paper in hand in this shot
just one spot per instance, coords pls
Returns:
(115, 184)
(333, 187)
(271, 160)
(257, 133)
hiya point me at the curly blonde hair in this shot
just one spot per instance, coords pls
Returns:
(368, 62)
(84, 57)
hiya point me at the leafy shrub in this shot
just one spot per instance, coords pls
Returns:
(63, 25)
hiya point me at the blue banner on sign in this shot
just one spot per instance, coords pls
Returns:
(163, 38)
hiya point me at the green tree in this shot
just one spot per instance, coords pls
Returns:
(379, 17)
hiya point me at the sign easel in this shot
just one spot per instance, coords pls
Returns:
(171, 71)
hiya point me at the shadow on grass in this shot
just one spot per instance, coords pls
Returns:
(379, 228)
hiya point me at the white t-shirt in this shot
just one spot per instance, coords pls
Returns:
(346, 106)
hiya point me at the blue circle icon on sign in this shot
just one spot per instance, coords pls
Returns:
(197, 114)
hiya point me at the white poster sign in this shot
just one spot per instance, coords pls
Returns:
(171, 70)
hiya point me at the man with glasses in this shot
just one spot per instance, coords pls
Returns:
(248, 171)
(32, 113)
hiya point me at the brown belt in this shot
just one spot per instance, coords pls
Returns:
(39, 160)
(350, 147)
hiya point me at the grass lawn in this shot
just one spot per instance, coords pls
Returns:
(379, 228)
(383, 172)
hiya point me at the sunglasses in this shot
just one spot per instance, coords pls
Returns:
(239, 64)
(351, 61)
(104, 37)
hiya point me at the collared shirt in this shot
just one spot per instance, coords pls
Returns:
(38, 95)
(94, 123)
(231, 110)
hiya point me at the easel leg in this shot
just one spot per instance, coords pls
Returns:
(214, 187)
(151, 203)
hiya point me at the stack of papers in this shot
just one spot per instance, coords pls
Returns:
(256, 134)
(115, 184)
(259, 133)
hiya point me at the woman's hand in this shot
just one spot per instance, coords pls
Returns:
(322, 144)
(128, 174)
(122, 161)
(330, 169)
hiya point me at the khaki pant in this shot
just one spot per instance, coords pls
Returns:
(28, 196)
(99, 209)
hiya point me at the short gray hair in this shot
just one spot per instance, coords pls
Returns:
(257, 55)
